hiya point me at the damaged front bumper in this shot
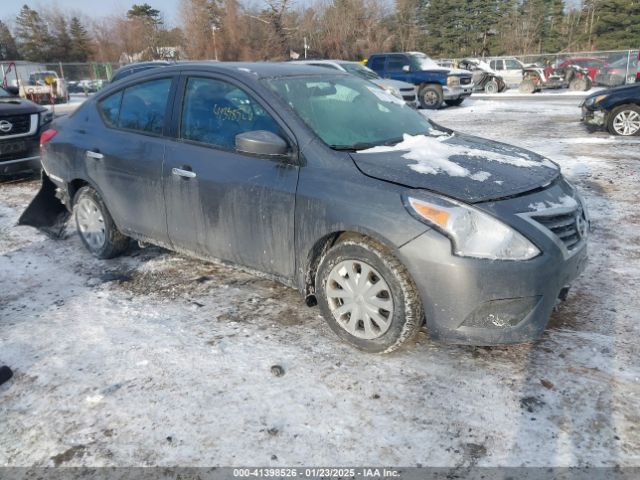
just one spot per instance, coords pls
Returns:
(596, 118)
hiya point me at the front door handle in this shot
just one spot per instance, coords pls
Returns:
(94, 155)
(183, 173)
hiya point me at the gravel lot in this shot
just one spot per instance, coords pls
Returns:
(157, 359)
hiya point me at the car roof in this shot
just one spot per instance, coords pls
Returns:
(254, 69)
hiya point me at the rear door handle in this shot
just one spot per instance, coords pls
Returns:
(183, 173)
(94, 155)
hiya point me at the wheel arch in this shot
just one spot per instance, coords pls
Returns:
(319, 249)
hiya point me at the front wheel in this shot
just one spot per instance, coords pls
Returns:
(624, 120)
(491, 87)
(95, 225)
(431, 97)
(367, 296)
(579, 85)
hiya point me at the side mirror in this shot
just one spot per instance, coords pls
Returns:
(261, 142)
(15, 91)
(406, 68)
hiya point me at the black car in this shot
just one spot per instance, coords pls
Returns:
(616, 109)
(329, 184)
(21, 123)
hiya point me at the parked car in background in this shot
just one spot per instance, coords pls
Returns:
(45, 87)
(485, 79)
(616, 109)
(622, 71)
(21, 123)
(435, 84)
(403, 90)
(510, 69)
(327, 184)
(591, 65)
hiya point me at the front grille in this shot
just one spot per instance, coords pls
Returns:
(570, 227)
(465, 80)
(19, 124)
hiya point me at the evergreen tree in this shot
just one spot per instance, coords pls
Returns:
(618, 24)
(60, 50)
(8, 48)
(80, 41)
(32, 35)
(145, 12)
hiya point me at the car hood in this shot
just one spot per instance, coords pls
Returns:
(382, 82)
(464, 167)
(632, 88)
(18, 106)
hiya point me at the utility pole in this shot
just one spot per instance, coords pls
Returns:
(215, 49)
(306, 47)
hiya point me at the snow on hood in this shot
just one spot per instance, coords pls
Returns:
(433, 154)
(461, 166)
(564, 201)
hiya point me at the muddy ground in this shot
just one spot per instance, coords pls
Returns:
(157, 359)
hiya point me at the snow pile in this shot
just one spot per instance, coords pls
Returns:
(433, 154)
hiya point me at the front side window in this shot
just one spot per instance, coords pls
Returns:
(347, 112)
(110, 107)
(513, 65)
(144, 106)
(214, 112)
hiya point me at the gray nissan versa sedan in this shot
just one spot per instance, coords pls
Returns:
(330, 185)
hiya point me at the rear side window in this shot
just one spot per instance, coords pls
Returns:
(144, 106)
(214, 112)
(396, 62)
(377, 63)
(109, 108)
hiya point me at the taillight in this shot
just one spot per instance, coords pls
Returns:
(47, 135)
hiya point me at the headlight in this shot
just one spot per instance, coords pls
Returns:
(393, 91)
(599, 98)
(472, 232)
(45, 117)
(453, 80)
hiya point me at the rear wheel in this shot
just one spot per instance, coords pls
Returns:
(367, 296)
(431, 97)
(95, 225)
(579, 85)
(491, 87)
(527, 86)
(624, 120)
(454, 103)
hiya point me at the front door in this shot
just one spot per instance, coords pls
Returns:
(222, 203)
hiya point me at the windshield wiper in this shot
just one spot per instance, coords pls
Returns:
(366, 145)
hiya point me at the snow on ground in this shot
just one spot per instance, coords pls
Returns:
(156, 359)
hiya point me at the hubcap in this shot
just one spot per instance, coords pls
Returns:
(90, 223)
(627, 122)
(359, 299)
(430, 98)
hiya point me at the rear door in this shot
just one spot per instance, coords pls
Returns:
(222, 203)
(125, 158)
(512, 72)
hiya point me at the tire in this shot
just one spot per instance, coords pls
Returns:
(397, 290)
(95, 226)
(616, 120)
(491, 87)
(579, 85)
(527, 86)
(431, 97)
(454, 103)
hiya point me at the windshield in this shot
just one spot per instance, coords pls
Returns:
(361, 71)
(348, 113)
(419, 61)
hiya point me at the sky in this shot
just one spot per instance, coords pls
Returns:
(92, 9)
